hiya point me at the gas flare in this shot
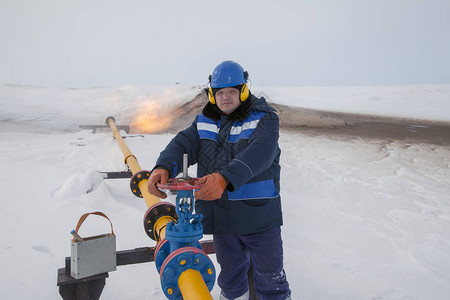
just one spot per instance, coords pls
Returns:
(151, 118)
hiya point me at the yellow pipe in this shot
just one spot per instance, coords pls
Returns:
(192, 286)
(160, 226)
(132, 163)
(149, 198)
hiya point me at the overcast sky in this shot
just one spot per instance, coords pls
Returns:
(84, 43)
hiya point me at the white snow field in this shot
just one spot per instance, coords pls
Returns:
(364, 218)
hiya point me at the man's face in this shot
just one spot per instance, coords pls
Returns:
(227, 99)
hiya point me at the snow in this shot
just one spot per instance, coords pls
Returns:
(364, 218)
(394, 101)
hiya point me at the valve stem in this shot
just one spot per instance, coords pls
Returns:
(185, 165)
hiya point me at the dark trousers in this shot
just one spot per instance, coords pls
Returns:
(265, 249)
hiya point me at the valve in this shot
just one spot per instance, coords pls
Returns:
(180, 254)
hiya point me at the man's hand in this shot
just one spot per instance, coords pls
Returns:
(157, 176)
(213, 187)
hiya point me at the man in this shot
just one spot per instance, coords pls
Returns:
(234, 141)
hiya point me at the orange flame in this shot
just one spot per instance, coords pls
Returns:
(151, 118)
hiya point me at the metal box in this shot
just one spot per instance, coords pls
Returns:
(92, 256)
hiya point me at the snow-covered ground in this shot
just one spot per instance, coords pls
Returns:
(364, 218)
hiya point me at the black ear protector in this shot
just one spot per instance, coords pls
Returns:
(244, 93)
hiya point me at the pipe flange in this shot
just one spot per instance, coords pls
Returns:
(164, 248)
(162, 251)
(179, 261)
(136, 179)
(154, 213)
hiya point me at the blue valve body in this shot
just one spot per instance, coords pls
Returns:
(181, 249)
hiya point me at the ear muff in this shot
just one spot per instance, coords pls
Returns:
(211, 96)
(244, 92)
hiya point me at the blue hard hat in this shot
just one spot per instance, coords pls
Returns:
(228, 74)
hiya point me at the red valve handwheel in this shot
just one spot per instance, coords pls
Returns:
(180, 184)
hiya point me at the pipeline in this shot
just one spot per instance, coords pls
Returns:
(158, 214)
(132, 163)
(185, 270)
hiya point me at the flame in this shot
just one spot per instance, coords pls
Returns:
(151, 118)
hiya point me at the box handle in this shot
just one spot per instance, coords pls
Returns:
(98, 213)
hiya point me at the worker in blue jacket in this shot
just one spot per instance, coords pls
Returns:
(234, 142)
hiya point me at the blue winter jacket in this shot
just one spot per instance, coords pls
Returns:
(247, 154)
